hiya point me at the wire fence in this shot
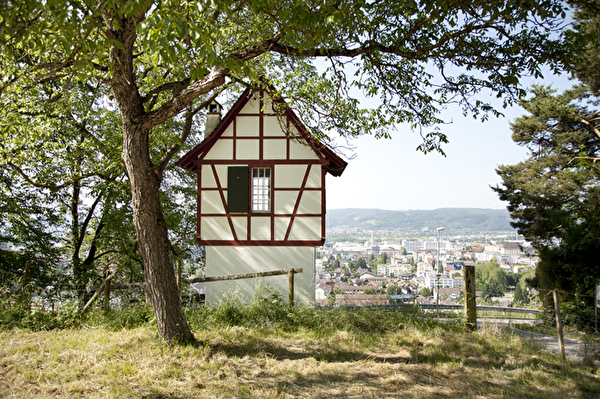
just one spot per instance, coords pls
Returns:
(576, 309)
(52, 297)
(576, 312)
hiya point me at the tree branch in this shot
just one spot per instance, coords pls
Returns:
(185, 132)
(52, 187)
(176, 87)
(247, 54)
(98, 292)
(104, 254)
(215, 78)
(26, 24)
(589, 125)
(88, 218)
(369, 47)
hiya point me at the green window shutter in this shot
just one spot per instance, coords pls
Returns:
(237, 189)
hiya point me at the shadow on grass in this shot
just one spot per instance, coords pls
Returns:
(258, 348)
(509, 370)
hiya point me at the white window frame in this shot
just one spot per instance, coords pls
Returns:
(261, 190)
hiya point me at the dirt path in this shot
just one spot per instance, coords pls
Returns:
(574, 349)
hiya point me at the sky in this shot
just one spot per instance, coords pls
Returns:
(391, 174)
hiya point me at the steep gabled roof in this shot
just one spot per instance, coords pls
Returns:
(335, 165)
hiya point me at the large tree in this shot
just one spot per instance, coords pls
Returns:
(68, 145)
(159, 58)
(554, 195)
(583, 38)
(490, 279)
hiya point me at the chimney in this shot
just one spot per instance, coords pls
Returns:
(213, 118)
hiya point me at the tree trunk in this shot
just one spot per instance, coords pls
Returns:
(144, 176)
(152, 236)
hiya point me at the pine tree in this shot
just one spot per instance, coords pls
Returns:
(554, 195)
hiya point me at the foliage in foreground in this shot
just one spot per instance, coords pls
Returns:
(267, 312)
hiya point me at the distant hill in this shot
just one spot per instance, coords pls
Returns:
(460, 219)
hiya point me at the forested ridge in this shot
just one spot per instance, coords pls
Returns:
(469, 219)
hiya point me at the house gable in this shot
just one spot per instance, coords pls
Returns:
(281, 198)
(253, 129)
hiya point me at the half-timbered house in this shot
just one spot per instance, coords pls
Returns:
(261, 196)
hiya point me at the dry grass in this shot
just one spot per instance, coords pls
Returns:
(242, 362)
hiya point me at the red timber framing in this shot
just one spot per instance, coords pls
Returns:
(285, 224)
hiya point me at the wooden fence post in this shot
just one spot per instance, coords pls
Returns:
(291, 282)
(559, 327)
(107, 296)
(25, 278)
(469, 296)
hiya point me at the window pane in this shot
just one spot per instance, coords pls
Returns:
(261, 189)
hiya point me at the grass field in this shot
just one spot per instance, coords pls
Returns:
(269, 352)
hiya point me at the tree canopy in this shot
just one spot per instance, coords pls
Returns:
(554, 195)
(388, 50)
(490, 279)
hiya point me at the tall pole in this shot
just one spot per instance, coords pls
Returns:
(291, 287)
(437, 296)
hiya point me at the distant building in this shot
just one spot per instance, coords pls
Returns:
(421, 266)
(404, 276)
(392, 252)
(511, 248)
(412, 245)
(445, 293)
(444, 281)
(354, 289)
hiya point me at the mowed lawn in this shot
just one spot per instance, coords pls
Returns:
(246, 362)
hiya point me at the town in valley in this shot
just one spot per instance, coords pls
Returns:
(382, 269)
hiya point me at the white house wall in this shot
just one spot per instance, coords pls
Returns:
(228, 260)
(306, 229)
(216, 227)
(297, 205)
(289, 176)
(222, 150)
(275, 149)
(247, 126)
(273, 126)
(211, 202)
(247, 149)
